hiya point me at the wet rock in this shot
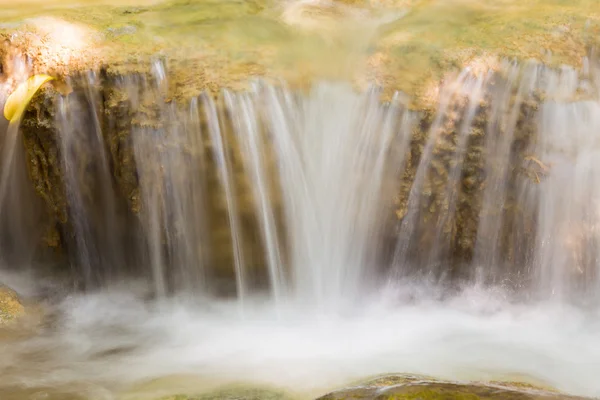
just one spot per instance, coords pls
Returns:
(235, 394)
(414, 387)
(10, 306)
(121, 31)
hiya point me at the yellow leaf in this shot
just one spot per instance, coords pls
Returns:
(20, 98)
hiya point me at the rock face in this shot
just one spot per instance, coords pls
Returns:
(10, 306)
(418, 388)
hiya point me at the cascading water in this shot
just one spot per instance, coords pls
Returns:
(92, 208)
(278, 203)
(498, 152)
(568, 216)
(317, 210)
(330, 174)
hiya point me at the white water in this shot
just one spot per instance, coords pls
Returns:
(106, 343)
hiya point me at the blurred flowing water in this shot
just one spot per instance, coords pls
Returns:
(266, 247)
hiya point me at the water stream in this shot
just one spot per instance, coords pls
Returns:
(266, 247)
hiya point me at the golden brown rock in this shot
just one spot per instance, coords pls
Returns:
(10, 306)
(411, 387)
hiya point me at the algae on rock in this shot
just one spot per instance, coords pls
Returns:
(413, 387)
(406, 45)
(236, 393)
(10, 305)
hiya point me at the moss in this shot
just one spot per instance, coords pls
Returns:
(10, 306)
(118, 120)
(214, 44)
(449, 214)
(235, 393)
(43, 160)
(411, 388)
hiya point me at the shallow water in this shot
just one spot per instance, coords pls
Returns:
(106, 345)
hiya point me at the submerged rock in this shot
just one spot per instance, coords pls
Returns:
(422, 388)
(10, 306)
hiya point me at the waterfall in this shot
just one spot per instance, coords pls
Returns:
(501, 127)
(170, 160)
(322, 196)
(91, 199)
(332, 148)
(410, 222)
(21, 211)
(306, 238)
(567, 260)
(306, 218)
(244, 114)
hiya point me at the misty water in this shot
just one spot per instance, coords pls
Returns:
(110, 343)
(268, 244)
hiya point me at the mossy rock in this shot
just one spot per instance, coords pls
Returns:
(235, 394)
(10, 306)
(406, 45)
(408, 387)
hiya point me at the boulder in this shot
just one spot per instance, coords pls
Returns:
(406, 387)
